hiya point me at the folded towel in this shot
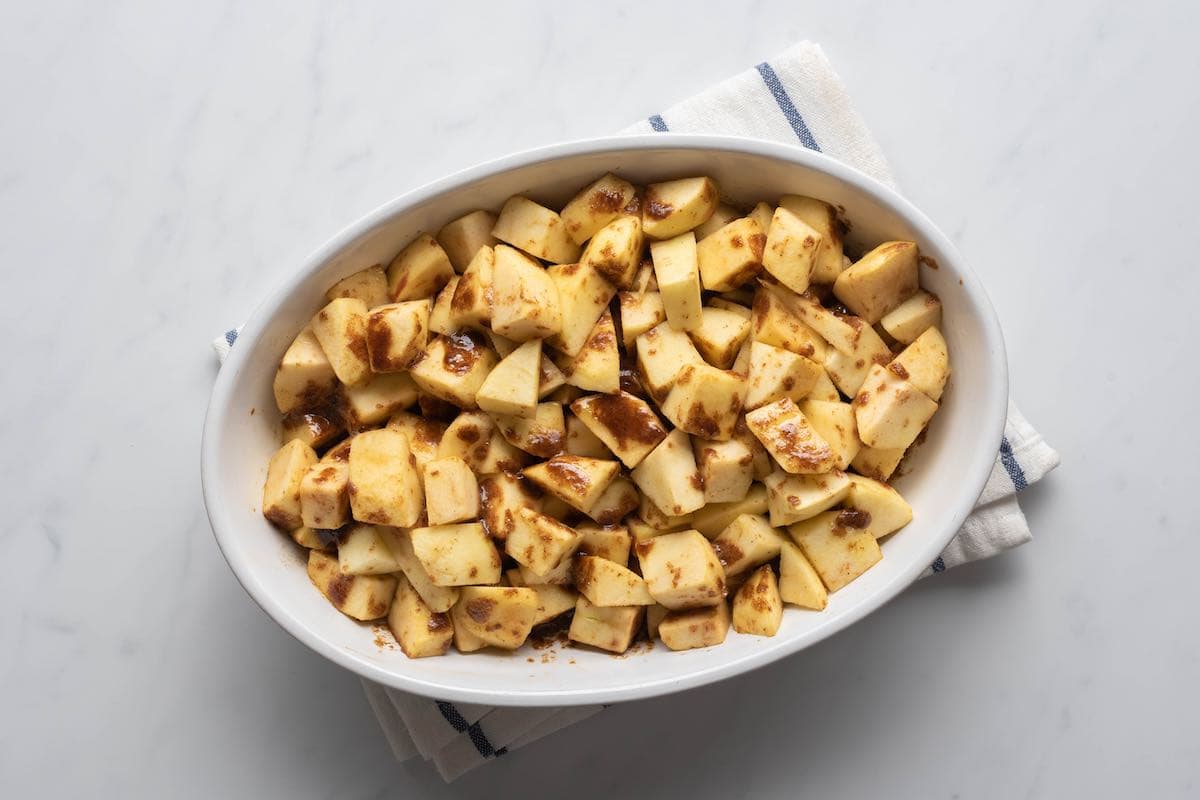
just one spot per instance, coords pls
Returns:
(797, 98)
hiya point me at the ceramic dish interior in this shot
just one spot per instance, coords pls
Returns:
(942, 481)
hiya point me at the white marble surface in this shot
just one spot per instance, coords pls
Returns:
(164, 165)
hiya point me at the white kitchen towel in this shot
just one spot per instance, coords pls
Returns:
(796, 98)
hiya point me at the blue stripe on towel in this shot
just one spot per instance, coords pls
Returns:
(478, 737)
(658, 123)
(787, 107)
(938, 566)
(231, 337)
(1011, 466)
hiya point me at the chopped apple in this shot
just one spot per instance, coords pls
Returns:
(597, 366)
(791, 250)
(616, 251)
(890, 411)
(655, 518)
(457, 555)
(925, 363)
(791, 439)
(310, 538)
(341, 328)
(424, 435)
(610, 629)
(553, 601)
(763, 214)
(720, 336)
(438, 598)
(848, 371)
(824, 389)
(838, 546)
(501, 616)
(639, 313)
(793, 498)
(835, 423)
(325, 496)
(363, 550)
(913, 317)
(525, 300)
(877, 463)
(419, 270)
(451, 491)
(722, 216)
(454, 367)
(619, 499)
(471, 303)
(369, 285)
(396, 334)
(821, 217)
(550, 378)
(305, 377)
(380, 397)
(626, 424)
(582, 442)
(362, 597)
(695, 627)
(576, 480)
(730, 305)
(799, 583)
(597, 205)
(757, 606)
(535, 229)
(662, 352)
(385, 486)
(606, 541)
(605, 583)
(439, 314)
(541, 435)
(465, 236)
(285, 476)
(887, 512)
(746, 542)
(776, 373)
(677, 272)
(420, 630)
(504, 494)
(731, 256)
(668, 476)
(681, 570)
(539, 542)
(675, 207)
(583, 295)
(725, 469)
(879, 281)
(706, 401)
(775, 323)
(512, 386)
(464, 640)
(716, 517)
(761, 464)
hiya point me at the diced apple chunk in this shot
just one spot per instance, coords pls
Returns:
(726, 469)
(706, 401)
(396, 334)
(439, 314)
(380, 397)
(325, 496)
(677, 271)
(890, 411)
(281, 491)
(362, 597)
(512, 385)
(576, 480)
(606, 541)
(419, 270)
(776, 373)
(471, 303)
(597, 205)
(695, 627)
(731, 256)
(674, 207)
(821, 217)
(616, 251)
(791, 250)
(451, 491)
(420, 631)
(757, 606)
(385, 486)
(525, 300)
(879, 281)
(438, 598)
(610, 629)
(745, 543)
(341, 328)
(662, 352)
(838, 545)
(457, 555)
(791, 439)
(720, 336)
(606, 583)
(363, 550)
(540, 543)
(463, 238)
(504, 495)
(583, 295)
(464, 640)
(500, 616)
(835, 423)
(877, 463)
(535, 229)
(454, 367)
(541, 435)
(668, 476)
(793, 498)
(369, 285)
(553, 601)
(716, 517)
(473, 437)
(913, 317)
(763, 214)
(925, 363)
(799, 583)
(681, 570)
(887, 512)
(824, 389)
(305, 377)
(774, 322)
(626, 424)
(619, 499)
(424, 435)
(597, 366)
(639, 313)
